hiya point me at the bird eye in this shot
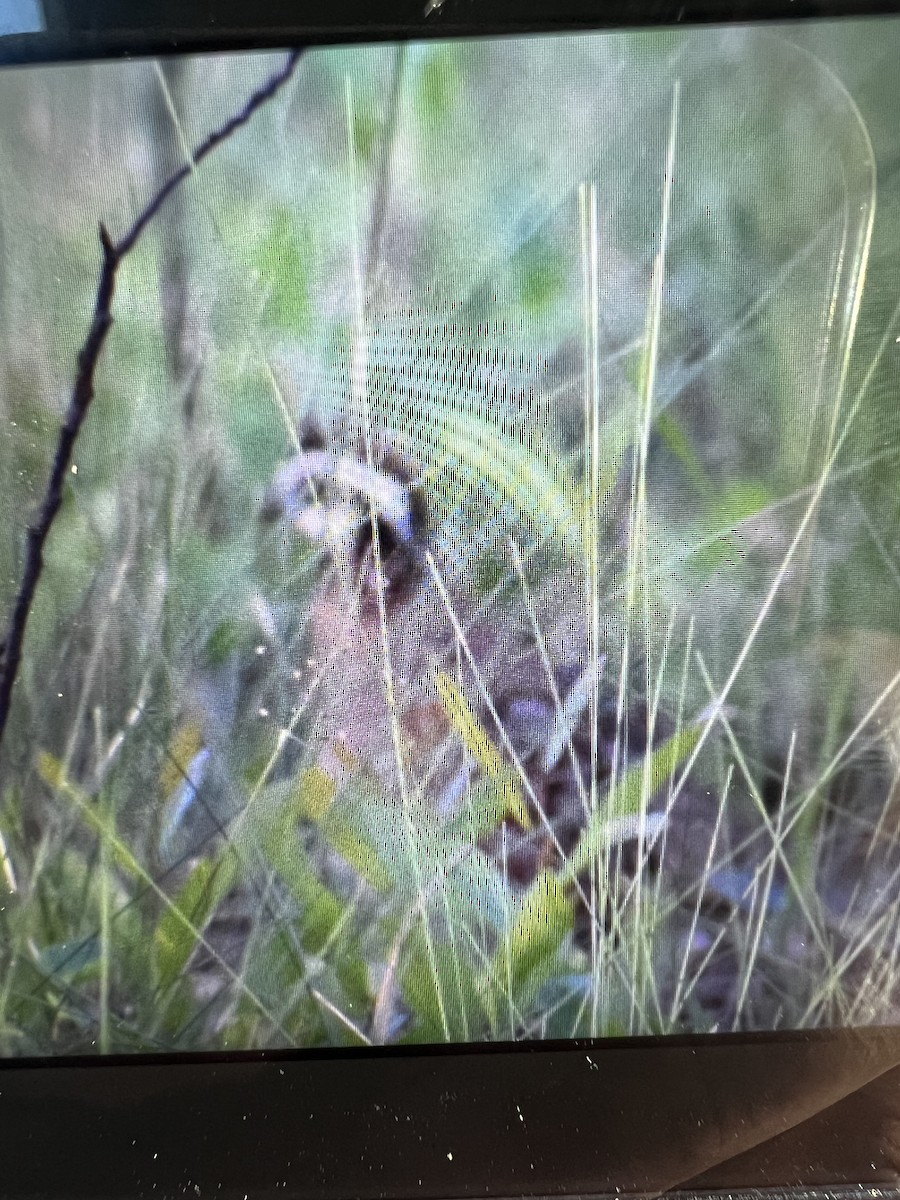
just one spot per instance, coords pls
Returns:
(388, 541)
(272, 509)
(312, 435)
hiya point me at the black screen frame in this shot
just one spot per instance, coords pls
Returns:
(642, 1116)
(600, 1118)
(79, 29)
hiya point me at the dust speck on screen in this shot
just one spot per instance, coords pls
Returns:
(451, 542)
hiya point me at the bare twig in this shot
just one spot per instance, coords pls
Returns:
(83, 389)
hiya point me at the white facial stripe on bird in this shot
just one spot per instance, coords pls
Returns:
(388, 496)
(330, 525)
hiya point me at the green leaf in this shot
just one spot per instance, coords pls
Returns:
(275, 815)
(543, 277)
(542, 917)
(439, 80)
(483, 750)
(175, 937)
(620, 813)
(487, 805)
(312, 798)
(283, 261)
(488, 572)
(322, 910)
(227, 637)
(99, 819)
(325, 919)
(528, 954)
(439, 985)
(366, 131)
(355, 848)
(677, 441)
(739, 501)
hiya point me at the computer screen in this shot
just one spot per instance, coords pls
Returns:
(453, 577)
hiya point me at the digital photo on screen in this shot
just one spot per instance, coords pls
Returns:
(452, 589)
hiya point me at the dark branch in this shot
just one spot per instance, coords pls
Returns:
(257, 100)
(83, 389)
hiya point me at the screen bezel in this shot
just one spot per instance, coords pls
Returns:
(586, 1117)
(643, 1116)
(79, 29)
